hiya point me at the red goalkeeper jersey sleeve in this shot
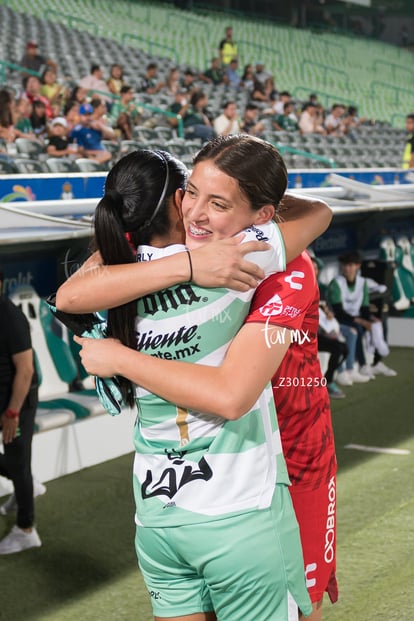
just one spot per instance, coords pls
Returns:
(290, 300)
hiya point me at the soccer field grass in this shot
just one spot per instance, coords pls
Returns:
(86, 569)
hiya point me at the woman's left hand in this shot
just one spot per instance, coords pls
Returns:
(100, 356)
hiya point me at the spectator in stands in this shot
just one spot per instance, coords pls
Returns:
(150, 83)
(215, 74)
(18, 403)
(79, 95)
(179, 106)
(8, 130)
(94, 82)
(39, 120)
(250, 123)
(227, 48)
(196, 122)
(71, 114)
(352, 121)
(54, 92)
(278, 106)
(287, 121)
(100, 119)
(23, 112)
(408, 157)
(172, 83)
(233, 77)
(58, 145)
(32, 60)
(88, 135)
(187, 81)
(265, 78)
(309, 121)
(124, 113)
(334, 124)
(228, 121)
(32, 87)
(116, 79)
(261, 94)
(260, 74)
(247, 80)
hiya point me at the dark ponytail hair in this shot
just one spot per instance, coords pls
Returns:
(255, 164)
(132, 211)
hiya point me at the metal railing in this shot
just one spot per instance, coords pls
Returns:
(327, 98)
(4, 65)
(145, 106)
(379, 62)
(127, 36)
(187, 20)
(396, 91)
(326, 70)
(259, 50)
(308, 154)
(72, 21)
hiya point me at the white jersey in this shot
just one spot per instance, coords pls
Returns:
(352, 298)
(190, 466)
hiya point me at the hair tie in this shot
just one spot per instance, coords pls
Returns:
(163, 193)
(114, 195)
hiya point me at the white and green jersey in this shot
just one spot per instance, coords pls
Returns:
(352, 296)
(190, 466)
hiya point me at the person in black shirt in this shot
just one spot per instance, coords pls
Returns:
(58, 145)
(18, 402)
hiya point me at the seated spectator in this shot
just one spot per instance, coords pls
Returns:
(100, 119)
(250, 123)
(247, 80)
(348, 296)
(71, 114)
(32, 87)
(330, 338)
(124, 113)
(54, 92)
(187, 82)
(88, 135)
(352, 121)
(228, 121)
(265, 78)
(79, 95)
(150, 83)
(309, 122)
(23, 112)
(379, 298)
(196, 122)
(179, 106)
(116, 79)
(278, 106)
(172, 83)
(8, 131)
(334, 125)
(233, 78)
(39, 120)
(58, 145)
(34, 61)
(94, 82)
(286, 121)
(260, 93)
(215, 74)
(260, 74)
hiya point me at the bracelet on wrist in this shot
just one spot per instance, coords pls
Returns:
(12, 413)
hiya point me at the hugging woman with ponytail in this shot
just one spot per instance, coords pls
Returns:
(208, 453)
